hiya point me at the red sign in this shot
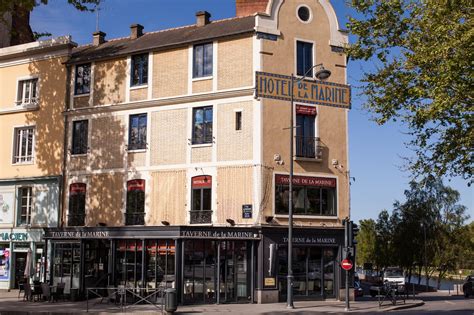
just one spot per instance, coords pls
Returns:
(202, 181)
(306, 181)
(78, 188)
(346, 264)
(306, 110)
(136, 184)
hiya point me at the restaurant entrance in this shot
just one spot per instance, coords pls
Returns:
(216, 271)
(313, 270)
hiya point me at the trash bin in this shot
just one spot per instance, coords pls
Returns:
(171, 303)
(74, 295)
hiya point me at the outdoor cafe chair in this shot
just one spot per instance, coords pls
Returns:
(46, 292)
(28, 295)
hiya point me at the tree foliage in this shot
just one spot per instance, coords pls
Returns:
(366, 240)
(427, 231)
(423, 53)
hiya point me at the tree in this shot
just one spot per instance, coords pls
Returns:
(423, 76)
(383, 243)
(22, 9)
(366, 239)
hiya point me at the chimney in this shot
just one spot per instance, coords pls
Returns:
(250, 7)
(202, 18)
(98, 38)
(136, 30)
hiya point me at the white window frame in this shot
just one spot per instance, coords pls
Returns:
(29, 205)
(20, 157)
(24, 82)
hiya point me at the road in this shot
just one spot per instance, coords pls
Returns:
(442, 304)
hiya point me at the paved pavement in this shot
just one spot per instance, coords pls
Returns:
(11, 304)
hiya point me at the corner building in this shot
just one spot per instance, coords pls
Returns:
(177, 174)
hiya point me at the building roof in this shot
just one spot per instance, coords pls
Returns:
(164, 39)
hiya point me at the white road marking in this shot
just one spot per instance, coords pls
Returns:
(449, 302)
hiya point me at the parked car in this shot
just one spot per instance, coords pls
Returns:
(468, 286)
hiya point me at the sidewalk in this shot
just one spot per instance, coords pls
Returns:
(10, 304)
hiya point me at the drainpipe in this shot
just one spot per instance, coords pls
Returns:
(65, 150)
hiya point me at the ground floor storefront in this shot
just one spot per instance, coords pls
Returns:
(21, 249)
(205, 265)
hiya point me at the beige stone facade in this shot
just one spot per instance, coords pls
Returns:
(246, 135)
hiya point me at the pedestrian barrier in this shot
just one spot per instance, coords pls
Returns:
(392, 292)
(125, 298)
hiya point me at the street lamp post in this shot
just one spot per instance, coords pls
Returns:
(321, 74)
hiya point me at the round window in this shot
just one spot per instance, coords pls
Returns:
(304, 14)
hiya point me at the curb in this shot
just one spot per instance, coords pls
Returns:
(402, 306)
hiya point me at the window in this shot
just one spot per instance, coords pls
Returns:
(304, 14)
(201, 211)
(304, 58)
(137, 132)
(202, 125)
(79, 137)
(305, 139)
(135, 212)
(311, 195)
(238, 120)
(24, 142)
(139, 70)
(77, 204)
(25, 203)
(27, 92)
(83, 79)
(202, 60)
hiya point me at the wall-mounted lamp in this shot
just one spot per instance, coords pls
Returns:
(165, 223)
(230, 221)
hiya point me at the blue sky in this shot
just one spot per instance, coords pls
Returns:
(375, 151)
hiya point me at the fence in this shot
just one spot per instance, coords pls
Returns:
(125, 298)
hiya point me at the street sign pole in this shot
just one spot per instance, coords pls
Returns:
(346, 243)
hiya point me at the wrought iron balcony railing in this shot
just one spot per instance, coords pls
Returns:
(308, 147)
(76, 219)
(201, 216)
(135, 218)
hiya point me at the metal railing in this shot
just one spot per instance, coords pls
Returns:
(308, 147)
(76, 219)
(135, 218)
(201, 216)
(391, 291)
(125, 298)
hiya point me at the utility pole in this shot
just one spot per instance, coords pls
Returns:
(347, 250)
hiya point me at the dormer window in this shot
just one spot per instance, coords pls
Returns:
(27, 92)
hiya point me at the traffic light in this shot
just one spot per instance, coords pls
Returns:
(354, 230)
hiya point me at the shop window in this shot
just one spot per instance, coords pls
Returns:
(27, 92)
(311, 196)
(137, 132)
(25, 205)
(135, 212)
(202, 125)
(24, 145)
(77, 204)
(202, 60)
(5, 262)
(201, 211)
(160, 263)
(79, 137)
(83, 79)
(139, 70)
(306, 143)
(304, 58)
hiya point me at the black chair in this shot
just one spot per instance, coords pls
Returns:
(28, 295)
(59, 291)
(46, 291)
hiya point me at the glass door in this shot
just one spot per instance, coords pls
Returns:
(314, 271)
(234, 277)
